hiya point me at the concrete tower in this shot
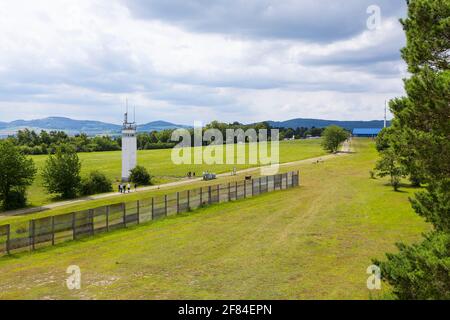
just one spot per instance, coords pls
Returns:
(129, 147)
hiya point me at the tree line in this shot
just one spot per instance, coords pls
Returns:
(61, 175)
(32, 143)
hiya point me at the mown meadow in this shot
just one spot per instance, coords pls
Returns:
(311, 242)
(160, 165)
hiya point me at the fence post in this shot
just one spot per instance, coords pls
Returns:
(236, 189)
(74, 236)
(138, 212)
(201, 196)
(124, 209)
(107, 218)
(31, 232)
(267, 183)
(178, 202)
(188, 200)
(209, 195)
(165, 205)
(8, 237)
(298, 177)
(53, 230)
(259, 185)
(153, 207)
(245, 189)
(91, 220)
(218, 193)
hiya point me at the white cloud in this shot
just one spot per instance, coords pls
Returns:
(82, 58)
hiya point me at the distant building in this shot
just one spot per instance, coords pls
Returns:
(366, 132)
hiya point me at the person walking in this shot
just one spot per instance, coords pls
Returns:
(120, 188)
(129, 187)
(135, 187)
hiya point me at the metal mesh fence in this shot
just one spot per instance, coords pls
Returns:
(63, 229)
(51, 230)
(116, 216)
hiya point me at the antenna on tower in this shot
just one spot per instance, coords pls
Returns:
(134, 114)
(126, 113)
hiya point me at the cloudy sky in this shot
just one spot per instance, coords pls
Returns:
(186, 60)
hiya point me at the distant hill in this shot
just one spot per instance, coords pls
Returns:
(71, 126)
(308, 123)
(159, 125)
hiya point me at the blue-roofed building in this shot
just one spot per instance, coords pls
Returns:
(366, 132)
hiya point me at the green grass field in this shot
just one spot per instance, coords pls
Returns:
(311, 242)
(159, 164)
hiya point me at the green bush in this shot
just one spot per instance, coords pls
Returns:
(140, 176)
(95, 183)
(15, 199)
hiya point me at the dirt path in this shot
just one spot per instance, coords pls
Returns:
(346, 149)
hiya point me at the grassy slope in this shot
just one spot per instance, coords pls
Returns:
(315, 241)
(159, 164)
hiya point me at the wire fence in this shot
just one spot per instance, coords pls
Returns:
(36, 233)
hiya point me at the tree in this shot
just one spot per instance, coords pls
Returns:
(96, 182)
(16, 173)
(61, 173)
(393, 143)
(389, 165)
(333, 137)
(422, 271)
(140, 176)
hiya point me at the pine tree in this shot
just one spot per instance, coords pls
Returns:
(422, 118)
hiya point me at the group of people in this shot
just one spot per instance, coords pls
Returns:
(126, 188)
(191, 174)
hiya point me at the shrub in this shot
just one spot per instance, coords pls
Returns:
(15, 199)
(140, 176)
(95, 183)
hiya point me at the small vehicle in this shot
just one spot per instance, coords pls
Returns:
(209, 176)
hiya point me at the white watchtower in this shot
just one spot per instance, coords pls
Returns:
(129, 147)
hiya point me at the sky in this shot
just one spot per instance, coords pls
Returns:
(200, 60)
